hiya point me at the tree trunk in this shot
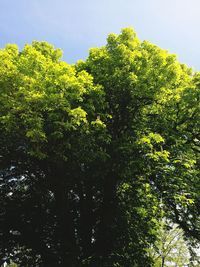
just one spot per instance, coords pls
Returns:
(65, 228)
(105, 236)
(163, 262)
(86, 219)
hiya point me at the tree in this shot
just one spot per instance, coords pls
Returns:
(41, 119)
(170, 248)
(91, 148)
(153, 103)
(12, 264)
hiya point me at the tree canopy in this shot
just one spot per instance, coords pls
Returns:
(87, 151)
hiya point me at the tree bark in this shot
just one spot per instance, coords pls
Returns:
(86, 219)
(163, 262)
(65, 229)
(105, 235)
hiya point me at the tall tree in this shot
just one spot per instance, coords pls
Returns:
(88, 150)
(153, 105)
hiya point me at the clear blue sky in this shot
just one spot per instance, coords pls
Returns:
(76, 25)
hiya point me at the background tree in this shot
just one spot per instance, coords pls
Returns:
(170, 247)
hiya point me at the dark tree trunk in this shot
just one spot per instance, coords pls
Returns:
(65, 229)
(59, 184)
(86, 219)
(163, 262)
(105, 235)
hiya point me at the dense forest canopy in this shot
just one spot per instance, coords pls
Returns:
(88, 152)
